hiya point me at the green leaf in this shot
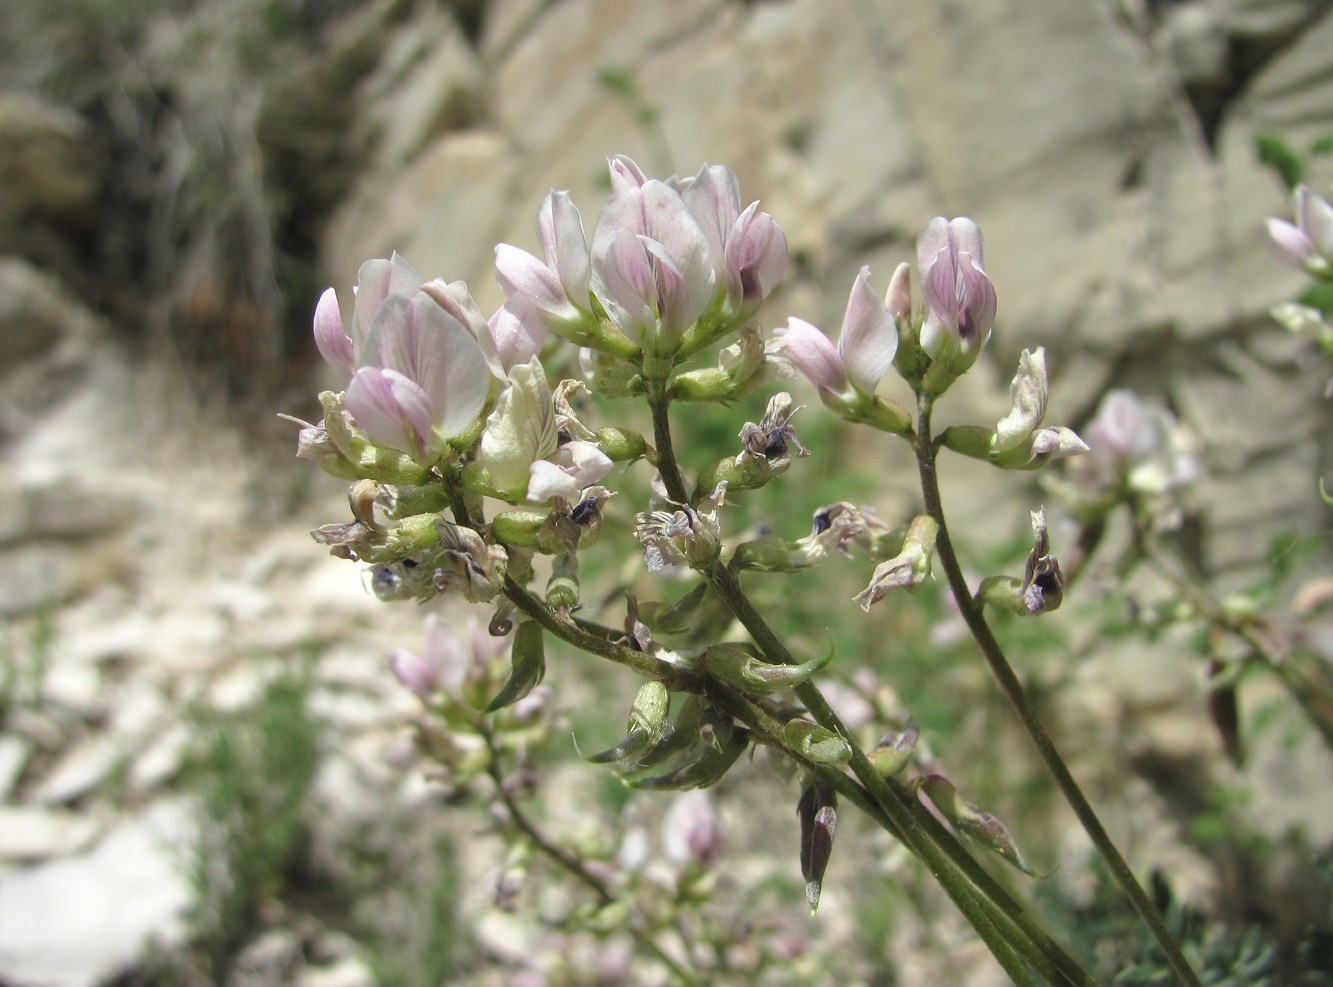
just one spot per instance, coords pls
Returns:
(1277, 154)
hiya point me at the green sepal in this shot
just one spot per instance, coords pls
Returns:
(815, 743)
(972, 441)
(621, 445)
(423, 498)
(737, 665)
(528, 666)
(410, 536)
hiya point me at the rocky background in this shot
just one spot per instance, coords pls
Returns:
(179, 179)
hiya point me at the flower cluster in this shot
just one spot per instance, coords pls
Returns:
(468, 462)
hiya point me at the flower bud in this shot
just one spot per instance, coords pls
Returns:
(818, 812)
(815, 743)
(894, 752)
(736, 665)
(647, 725)
(973, 822)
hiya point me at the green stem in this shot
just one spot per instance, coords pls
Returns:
(972, 613)
(975, 907)
(574, 866)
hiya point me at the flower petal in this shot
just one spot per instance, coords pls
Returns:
(332, 340)
(813, 355)
(869, 337)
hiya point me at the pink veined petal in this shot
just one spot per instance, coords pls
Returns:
(333, 342)
(515, 334)
(933, 239)
(457, 301)
(714, 198)
(520, 273)
(631, 287)
(625, 174)
(756, 255)
(1289, 244)
(668, 220)
(377, 280)
(965, 237)
(561, 228)
(391, 409)
(939, 288)
(898, 299)
(417, 338)
(977, 302)
(813, 355)
(869, 338)
(676, 309)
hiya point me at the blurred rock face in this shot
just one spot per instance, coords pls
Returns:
(231, 166)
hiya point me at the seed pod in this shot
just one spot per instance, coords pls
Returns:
(705, 768)
(562, 589)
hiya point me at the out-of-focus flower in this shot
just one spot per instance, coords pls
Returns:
(1306, 244)
(1019, 441)
(1138, 453)
(691, 831)
(1306, 322)
(455, 666)
(959, 296)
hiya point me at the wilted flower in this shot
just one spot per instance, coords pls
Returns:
(959, 296)
(1306, 244)
(467, 564)
(1019, 442)
(685, 536)
(909, 570)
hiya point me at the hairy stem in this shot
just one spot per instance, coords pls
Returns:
(972, 613)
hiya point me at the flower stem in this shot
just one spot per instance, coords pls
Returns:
(988, 921)
(972, 613)
(575, 867)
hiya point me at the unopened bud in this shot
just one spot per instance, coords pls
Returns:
(562, 589)
(736, 665)
(818, 812)
(894, 752)
(621, 445)
(815, 743)
(973, 822)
